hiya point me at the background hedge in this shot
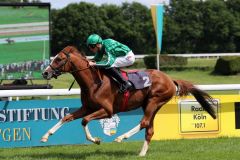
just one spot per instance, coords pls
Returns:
(227, 65)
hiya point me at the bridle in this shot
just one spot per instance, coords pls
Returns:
(57, 70)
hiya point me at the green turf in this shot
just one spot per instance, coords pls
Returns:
(203, 77)
(195, 76)
(10, 15)
(202, 62)
(195, 149)
(20, 52)
(22, 35)
(17, 75)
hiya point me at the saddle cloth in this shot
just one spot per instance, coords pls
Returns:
(139, 79)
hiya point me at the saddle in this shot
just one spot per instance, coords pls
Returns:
(139, 79)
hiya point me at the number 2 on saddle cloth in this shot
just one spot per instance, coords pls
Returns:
(139, 79)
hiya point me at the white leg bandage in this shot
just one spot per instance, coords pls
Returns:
(88, 134)
(129, 133)
(144, 149)
(52, 131)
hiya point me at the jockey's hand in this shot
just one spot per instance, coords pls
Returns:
(92, 63)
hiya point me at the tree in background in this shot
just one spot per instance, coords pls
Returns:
(73, 24)
(234, 8)
(130, 24)
(217, 32)
(189, 26)
(182, 26)
(201, 26)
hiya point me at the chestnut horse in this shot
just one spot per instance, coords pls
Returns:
(101, 99)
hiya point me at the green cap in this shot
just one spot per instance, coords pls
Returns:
(94, 39)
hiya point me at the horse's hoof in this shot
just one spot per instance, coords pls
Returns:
(118, 140)
(141, 155)
(44, 140)
(97, 141)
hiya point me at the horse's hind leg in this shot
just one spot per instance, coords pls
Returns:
(128, 134)
(147, 121)
(144, 124)
(148, 136)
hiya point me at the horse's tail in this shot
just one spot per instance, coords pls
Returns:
(205, 100)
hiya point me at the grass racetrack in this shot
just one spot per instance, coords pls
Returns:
(23, 15)
(184, 149)
(20, 52)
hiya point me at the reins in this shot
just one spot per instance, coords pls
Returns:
(57, 71)
(76, 70)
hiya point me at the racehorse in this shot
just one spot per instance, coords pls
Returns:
(101, 99)
(10, 41)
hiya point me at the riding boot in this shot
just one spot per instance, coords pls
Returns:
(124, 84)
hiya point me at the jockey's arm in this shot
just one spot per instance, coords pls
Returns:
(97, 57)
(106, 63)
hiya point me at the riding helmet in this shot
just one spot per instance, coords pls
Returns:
(94, 39)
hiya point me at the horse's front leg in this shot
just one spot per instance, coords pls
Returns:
(51, 131)
(70, 117)
(101, 113)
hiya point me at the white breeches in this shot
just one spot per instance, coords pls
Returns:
(124, 61)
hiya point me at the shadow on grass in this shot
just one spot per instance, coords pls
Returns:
(82, 155)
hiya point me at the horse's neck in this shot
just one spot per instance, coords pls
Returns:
(86, 78)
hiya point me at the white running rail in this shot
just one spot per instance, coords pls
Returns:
(62, 92)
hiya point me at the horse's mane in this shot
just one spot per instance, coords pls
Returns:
(74, 49)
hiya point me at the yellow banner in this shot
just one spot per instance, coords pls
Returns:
(194, 119)
(154, 18)
(185, 118)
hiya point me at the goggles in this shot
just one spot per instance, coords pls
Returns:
(92, 46)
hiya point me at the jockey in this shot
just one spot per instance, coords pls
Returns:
(118, 55)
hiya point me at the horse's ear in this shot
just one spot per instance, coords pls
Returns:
(67, 49)
(73, 49)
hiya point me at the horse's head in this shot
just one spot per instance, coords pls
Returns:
(62, 62)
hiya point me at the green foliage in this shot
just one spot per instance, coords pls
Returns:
(218, 23)
(165, 61)
(130, 24)
(150, 62)
(183, 26)
(234, 8)
(201, 26)
(73, 24)
(227, 66)
(189, 26)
